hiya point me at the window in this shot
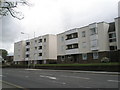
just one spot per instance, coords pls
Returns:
(112, 40)
(69, 36)
(27, 43)
(35, 48)
(72, 36)
(83, 33)
(94, 43)
(75, 45)
(84, 56)
(75, 35)
(62, 58)
(27, 49)
(35, 41)
(95, 55)
(84, 44)
(112, 35)
(62, 39)
(27, 55)
(69, 46)
(40, 40)
(40, 47)
(44, 39)
(113, 47)
(40, 54)
(93, 31)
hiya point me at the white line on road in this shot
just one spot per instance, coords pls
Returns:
(59, 82)
(113, 81)
(48, 77)
(26, 76)
(75, 77)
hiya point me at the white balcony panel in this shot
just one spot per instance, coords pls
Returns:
(71, 31)
(28, 46)
(113, 44)
(40, 50)
(39, 44)
(94, 48)
(71, 41)
(27, 52)
(94, 25)
(40, 58)
(26, 59)
(93, 37)
(72, 51)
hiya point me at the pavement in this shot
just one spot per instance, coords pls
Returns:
(43, 78)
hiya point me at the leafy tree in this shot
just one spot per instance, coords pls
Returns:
(9, 7)
(3, 53)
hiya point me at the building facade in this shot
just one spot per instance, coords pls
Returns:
(39, 50)
(88, 44)
(19, 52)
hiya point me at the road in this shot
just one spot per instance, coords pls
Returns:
(39, 78)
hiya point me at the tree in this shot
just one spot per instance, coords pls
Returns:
(3, 53)
(9, 7)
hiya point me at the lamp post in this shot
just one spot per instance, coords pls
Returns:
(28, 40)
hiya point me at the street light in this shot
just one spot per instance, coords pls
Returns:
(28, 40)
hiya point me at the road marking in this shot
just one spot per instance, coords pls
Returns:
(31, 69)
(59, 82)
(26, 76)
(49, 77)
(75, 77)
(113, 81)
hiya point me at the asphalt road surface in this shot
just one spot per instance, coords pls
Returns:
(39, 78)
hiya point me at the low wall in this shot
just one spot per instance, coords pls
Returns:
(84, 68)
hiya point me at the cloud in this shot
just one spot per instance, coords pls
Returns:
(56, 16)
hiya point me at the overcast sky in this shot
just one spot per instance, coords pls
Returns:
(55, 16)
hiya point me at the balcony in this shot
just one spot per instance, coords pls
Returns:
(72, 51)
(71, 41)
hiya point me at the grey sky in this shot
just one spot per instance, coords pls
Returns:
(56, 16)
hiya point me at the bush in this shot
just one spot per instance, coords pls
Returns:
(105, 60)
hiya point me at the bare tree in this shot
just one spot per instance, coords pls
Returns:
(9, 7)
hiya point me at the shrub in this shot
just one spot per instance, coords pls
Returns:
(105, 60)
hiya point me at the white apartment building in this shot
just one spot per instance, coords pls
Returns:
(86, 44)
(39, 50)
(19, 52)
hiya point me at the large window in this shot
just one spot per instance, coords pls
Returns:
(27, 49)
(75, 35)
(72, 46)
(75, 45)
(35, 48)
(27, 43)
(83, 33)
(69, 37)
(40, 47)
(84, 44)
(93, 31)
(113, 47)
(95, 55)
(40, 40)
(40, 54)
(72, 36)
(94, 43)
(27, 55)
(44, 39)
(69, 46)
(84, 56)
(112, 35)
